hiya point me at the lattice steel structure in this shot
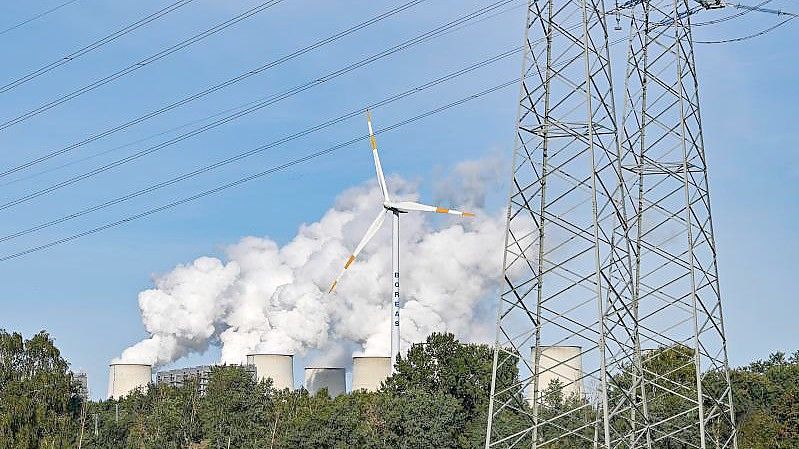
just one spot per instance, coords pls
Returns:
(676, 288)
(565, 259)
(610, 310)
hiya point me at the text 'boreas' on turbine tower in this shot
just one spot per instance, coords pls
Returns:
(609, 246)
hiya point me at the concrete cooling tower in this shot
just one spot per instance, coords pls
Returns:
(123, 378)
(369, 372)
(278, 367)
(561, 363)
(331, 378)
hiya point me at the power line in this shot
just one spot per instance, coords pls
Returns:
(270, 145)
(730, 17)
(751, 36)
(143, 63)
(262, 103)
(214, 88)
(37, 16)
(758, 8)
(207, 118)
(261, 174)
(126, 145)
(94, 45)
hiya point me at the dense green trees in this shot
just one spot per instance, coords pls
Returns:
(438, 398)
(39, 405)
(766, 396)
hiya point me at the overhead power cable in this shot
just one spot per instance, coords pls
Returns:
(750, 36)
(258, 175)
(94, 45)
(207, 118)
(214, 88)
(143, 63)
(130, 144)
(759, 8)
(260, 104)
(265, 147)
(730, 17)
(37, 16)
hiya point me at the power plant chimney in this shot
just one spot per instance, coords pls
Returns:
(123, 378)
(317, 378)
(561, 363)
(278, 367)
(368, 373)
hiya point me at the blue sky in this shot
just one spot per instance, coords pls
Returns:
(84, 292)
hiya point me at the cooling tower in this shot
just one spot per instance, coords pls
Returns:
(369, 372)
(330, 378)
(278, 367)
(126, 377)
(561, 363)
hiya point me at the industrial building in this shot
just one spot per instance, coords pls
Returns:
(562, 364)
(82, 379)
(278, 367)
(368, 373)
(331, 379)
(123, 378)
(178, 377)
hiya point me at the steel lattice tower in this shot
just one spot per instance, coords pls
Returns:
(609, 248)
(565, 259)
(676, 288)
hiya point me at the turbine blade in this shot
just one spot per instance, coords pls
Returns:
(381, 179)
(412, 206)
(373, 228)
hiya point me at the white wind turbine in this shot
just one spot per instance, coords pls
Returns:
(395, 208)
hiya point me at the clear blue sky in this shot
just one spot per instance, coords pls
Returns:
(84, 292)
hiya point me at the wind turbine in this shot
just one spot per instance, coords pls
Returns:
(395, 208)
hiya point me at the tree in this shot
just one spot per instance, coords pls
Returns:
(39, 401)
(161, 417)
(437, 398)
(766, 395)
(442, 365)
(236, 412)
(418, 418)
(317, 421)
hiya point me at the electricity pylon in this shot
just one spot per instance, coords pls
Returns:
(675, 284)
(609, 247)
(566, 261)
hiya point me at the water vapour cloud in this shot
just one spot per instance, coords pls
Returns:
(267, 297)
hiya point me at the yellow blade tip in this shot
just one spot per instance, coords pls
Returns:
(468, 214)
(332, 287)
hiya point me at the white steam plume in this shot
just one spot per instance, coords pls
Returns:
(269, 298)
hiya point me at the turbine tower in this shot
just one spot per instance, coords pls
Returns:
(395, 208)
(609, 243)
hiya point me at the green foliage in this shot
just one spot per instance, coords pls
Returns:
(418, 418)
(766, 395)
(236, 411)
(437, 398)
(39, 403)
(444, 367)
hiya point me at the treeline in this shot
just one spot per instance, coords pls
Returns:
(437, 399)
